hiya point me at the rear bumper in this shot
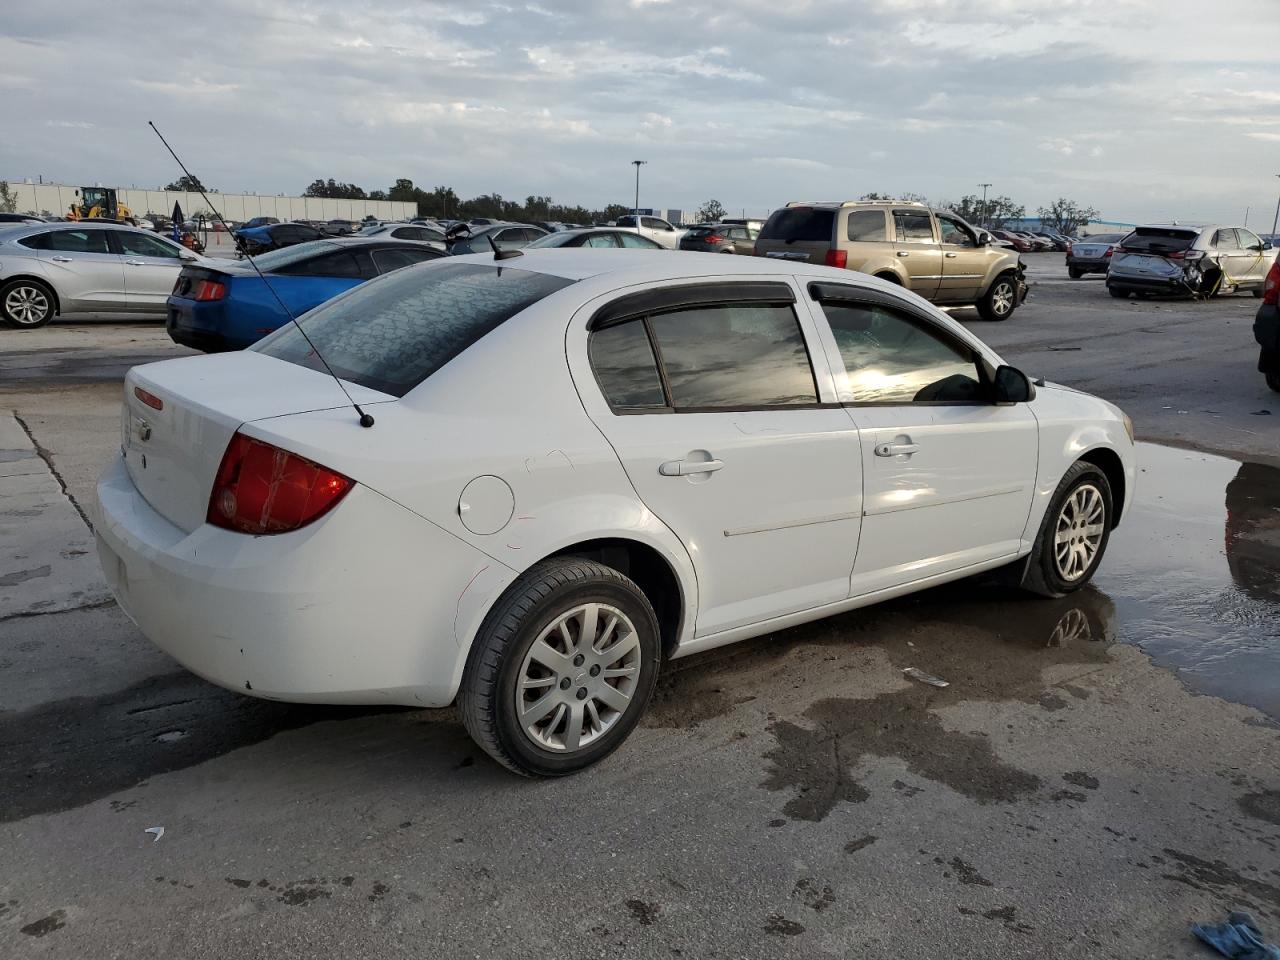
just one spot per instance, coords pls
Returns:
(360, 607)
(1089, 264)
(1135, 284)
(202, 326)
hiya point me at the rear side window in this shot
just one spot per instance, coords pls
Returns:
(38, 241)
(799, 223)
(734, 355)
(393, 334)
(625, 368)
(892, 358)
(78, 241)
(1159, 240)
(867, 225)
(1226, 240)
(341, 263)
(913, 227)
(391, 259)
(638, 242)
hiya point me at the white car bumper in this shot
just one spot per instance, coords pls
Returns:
(360, 607)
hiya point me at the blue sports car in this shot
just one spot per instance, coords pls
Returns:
(229, 307)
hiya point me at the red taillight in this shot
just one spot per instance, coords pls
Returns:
(263, 489)
(1109, 251)
(208, 290)
(1271, 287)
(838, 258)
(1068, 249)
(713, 238)
(149, 398)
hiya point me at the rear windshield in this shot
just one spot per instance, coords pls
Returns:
(393, 333)
(703, 231)
(287, 256)
(1102, 238)
(799, 223)
(1159, 240)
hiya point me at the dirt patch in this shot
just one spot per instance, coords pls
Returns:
(1217, 877)
(643, 912)
(1262, 806)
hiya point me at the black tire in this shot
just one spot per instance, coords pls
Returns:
(1257, 293)
(1075, 273)
(20, 301)
(1117, 292)
(1001, 298)
(1273, 381)
(1043, 575)
(487, 697)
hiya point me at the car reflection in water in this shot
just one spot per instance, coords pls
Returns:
(1253, 531)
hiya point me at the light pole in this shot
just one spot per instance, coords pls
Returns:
(636, 210)
(1276, 219)
(985, 220)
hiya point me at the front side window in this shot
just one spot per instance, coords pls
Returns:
(734, 355)
(955, 233)
(913, 226)
(393, 258)
(1248, 241)
(625, 368)
(867, 225)
(635, 241)
(892, 358)
(78, 241)
(393, 334)
(141, 245)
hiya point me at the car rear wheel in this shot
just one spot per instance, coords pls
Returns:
(26, 304)
(561, 669)
(1118, 293)
(1075, 273)
(1074, 534)
(1001, 298)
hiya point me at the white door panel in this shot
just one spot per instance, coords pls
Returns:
(946, 486)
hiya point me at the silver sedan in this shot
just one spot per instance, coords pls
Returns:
(49, 269)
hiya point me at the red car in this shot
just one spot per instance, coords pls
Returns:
(1019, 244)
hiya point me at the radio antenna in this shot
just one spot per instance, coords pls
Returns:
(365, 419)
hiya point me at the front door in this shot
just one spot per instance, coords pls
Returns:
(1254, 261)
(916, 247)
(84, 270)
(150, 268)
(948, 476)
(964, 262)
(727, 443)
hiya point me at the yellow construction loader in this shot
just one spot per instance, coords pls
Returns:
(98, 202)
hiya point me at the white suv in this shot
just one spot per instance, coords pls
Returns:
(580, 464)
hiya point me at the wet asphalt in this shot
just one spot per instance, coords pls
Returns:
(1102, 770)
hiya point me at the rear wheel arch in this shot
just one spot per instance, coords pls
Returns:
(890, 276)
(39, 281)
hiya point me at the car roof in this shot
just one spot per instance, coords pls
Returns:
(642, 266)
(25, 229)
(833, 204)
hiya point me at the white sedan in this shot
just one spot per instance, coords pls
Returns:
(583, 463)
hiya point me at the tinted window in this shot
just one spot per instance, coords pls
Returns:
(406, 233)
(1225, 240)
(78, 241)
(912, 227)
(622, 359)
(393, 334)
(340, 263)
(627, 221)
(1159, 240)
(39, 241)
(955, 233)
(429, 234)
(396, 257)
(799, 223)
(653, 223)
(636, 241)
(735, 355)
(867, 225)
(893, 359)
(141, 245)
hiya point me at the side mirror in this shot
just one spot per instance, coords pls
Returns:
(1266, 245)
(1012, 386)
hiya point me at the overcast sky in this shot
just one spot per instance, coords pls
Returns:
(1145, 109)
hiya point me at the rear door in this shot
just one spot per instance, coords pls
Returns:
(916, 246)
(86, 273)
(730, 443)
(151, 266)
(948, 475)
(311, 282)
(803, 234)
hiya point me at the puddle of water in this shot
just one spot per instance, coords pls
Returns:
(1194, 571)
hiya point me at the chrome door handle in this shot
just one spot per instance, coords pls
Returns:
(136, 263)
(896, 449)
(687, 468)
(60, 259)
(950, 256)
(904, 253)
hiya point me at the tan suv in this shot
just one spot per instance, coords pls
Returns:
(930, 252)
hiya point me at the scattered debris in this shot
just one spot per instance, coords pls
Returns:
(914, 673)
(158, 832)
(1239, 938)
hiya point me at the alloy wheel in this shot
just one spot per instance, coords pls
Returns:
(1002, 298)
(26, 305)
(578, 678)
(1078, 532)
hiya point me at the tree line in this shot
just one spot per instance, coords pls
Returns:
(995, 213)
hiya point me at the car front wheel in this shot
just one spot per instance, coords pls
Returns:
(1118, 293)
(26, 304)
(561, 669)
(1075, 273)
(1074, 534)
(1001, 298)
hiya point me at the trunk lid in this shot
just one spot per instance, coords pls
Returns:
(803, 234)
(172, 453)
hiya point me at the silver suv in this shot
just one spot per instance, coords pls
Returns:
(1166, 258)
(52, 268)
(930, 252)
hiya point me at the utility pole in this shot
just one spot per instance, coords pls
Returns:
(986, 221)
(1276, 219)
(636, 209)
